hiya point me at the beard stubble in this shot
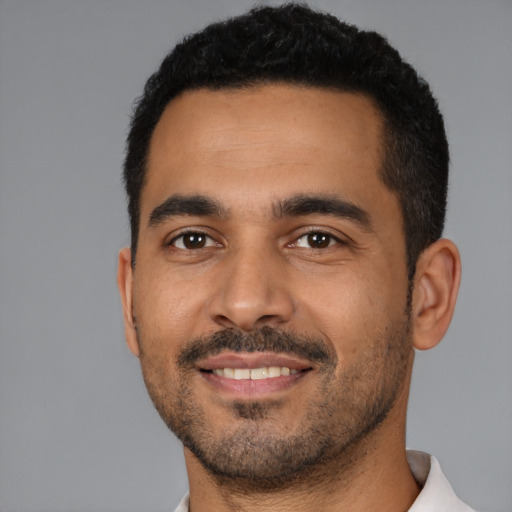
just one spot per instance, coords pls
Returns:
(256, 452)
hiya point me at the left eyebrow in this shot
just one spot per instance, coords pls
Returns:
(179, 205)
(300, 205)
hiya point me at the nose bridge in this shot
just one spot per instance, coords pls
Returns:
(251, 289)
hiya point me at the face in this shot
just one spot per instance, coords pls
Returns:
(270, 290)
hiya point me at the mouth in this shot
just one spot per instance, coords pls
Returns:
(250, 374)
(270, 372)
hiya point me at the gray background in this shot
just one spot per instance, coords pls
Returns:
(77, 431)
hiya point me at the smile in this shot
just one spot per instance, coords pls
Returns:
(255, 373)
(243, 375)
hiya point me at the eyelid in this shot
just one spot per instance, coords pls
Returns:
(332, 241)
(170, 240)
(338, 237)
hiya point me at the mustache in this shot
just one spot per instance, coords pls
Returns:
(265, 339)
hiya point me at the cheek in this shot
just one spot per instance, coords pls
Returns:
(167, 308)
(353, 309)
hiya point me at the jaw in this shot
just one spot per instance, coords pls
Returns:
(373, 461)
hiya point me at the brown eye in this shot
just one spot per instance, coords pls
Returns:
(316, 240)
(191, 241)
(319, 240)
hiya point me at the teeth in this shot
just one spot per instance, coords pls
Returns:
(255, 373)
(228, 372)
(242, 373)
(274, 371)
(259, 373)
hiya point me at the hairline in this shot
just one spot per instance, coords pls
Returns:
(387, 153)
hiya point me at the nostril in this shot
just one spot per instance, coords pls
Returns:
(271, 320)
(224, 321)
(250, 304)
(248, 323)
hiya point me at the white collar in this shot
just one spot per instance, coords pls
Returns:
(436, 494)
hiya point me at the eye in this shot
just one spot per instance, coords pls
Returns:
(192, 240)
(316, 240)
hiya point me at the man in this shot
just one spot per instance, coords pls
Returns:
(287, 177)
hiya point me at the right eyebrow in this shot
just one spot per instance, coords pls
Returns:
(176, 205)
(304, 204)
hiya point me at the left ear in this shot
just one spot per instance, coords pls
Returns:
(125, 285)
(436, 284)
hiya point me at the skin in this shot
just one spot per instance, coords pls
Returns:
(250, 150)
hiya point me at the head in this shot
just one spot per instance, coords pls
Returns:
(287, 182)
(293, 44)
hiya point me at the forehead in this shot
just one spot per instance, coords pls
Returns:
(259, 144)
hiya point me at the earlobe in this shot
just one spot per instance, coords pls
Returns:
(436, 285)
(125, 285)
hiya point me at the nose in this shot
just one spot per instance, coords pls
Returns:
(251, 291)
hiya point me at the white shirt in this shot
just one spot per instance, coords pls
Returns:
(436, 494)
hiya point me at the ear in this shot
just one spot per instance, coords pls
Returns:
(125, 285)
(436, 284)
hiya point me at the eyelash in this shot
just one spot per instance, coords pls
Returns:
(333, 240)
(197, 233)
(325, 236)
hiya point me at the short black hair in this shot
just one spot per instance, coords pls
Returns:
(297, 45)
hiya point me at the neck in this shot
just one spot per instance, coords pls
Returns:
(373, 475)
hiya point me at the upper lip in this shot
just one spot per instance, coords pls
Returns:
(252, 360)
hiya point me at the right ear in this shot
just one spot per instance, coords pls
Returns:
(125, 285)
(435, 292)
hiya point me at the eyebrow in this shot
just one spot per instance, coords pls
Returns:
(176, 205)
(300, 205)
(295, 206)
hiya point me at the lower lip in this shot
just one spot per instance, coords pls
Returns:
(251, 388)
